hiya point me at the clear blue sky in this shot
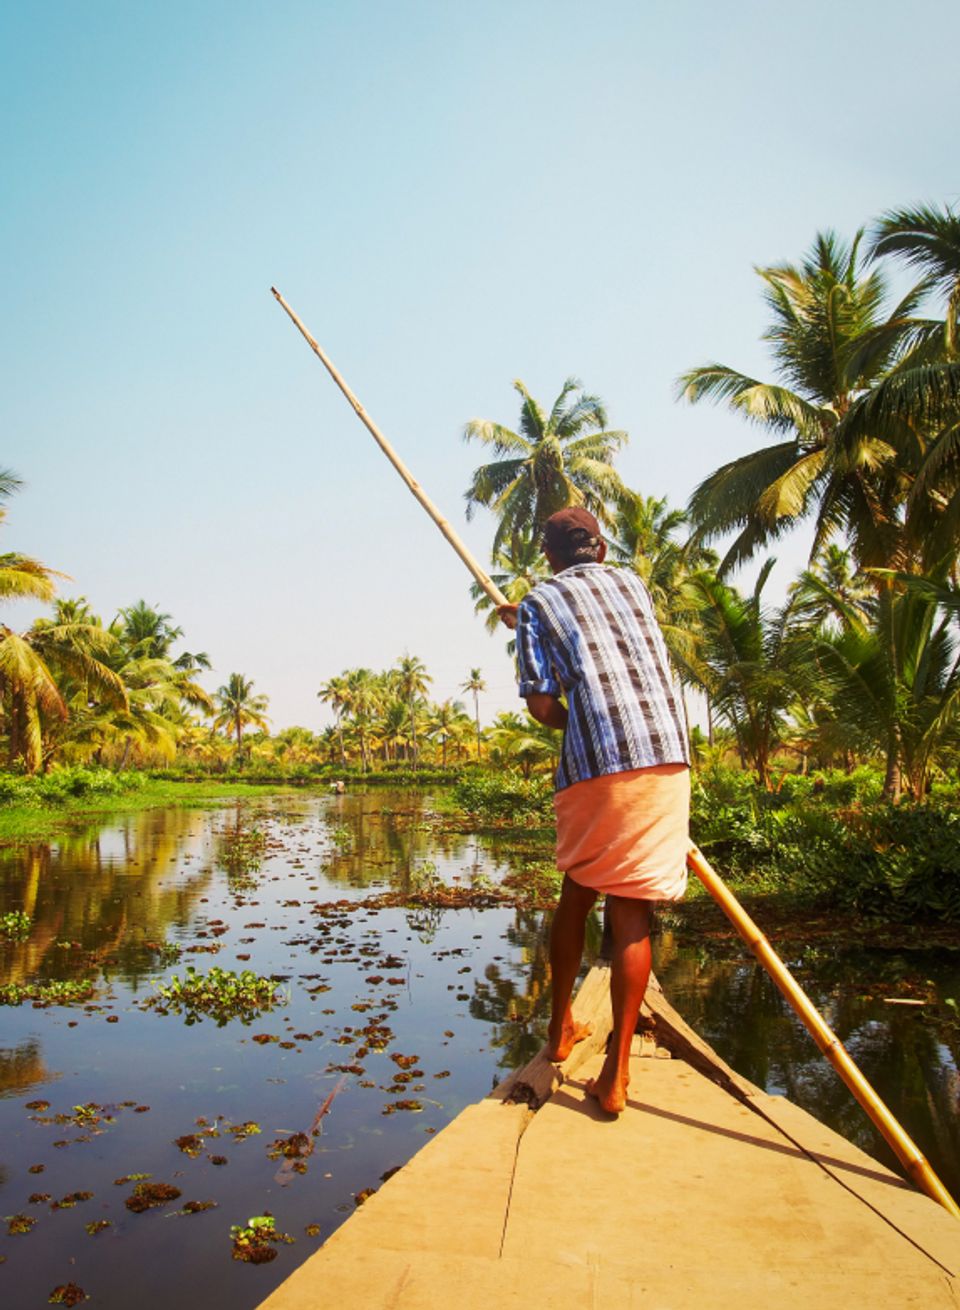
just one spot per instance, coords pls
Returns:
(451, 196)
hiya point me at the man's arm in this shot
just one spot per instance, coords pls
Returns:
(547, 709)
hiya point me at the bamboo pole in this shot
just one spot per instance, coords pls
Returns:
(907, 1152)
(483, 579)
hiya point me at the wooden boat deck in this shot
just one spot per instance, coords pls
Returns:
(706, 1192)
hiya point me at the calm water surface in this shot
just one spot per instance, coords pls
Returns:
(254, 885)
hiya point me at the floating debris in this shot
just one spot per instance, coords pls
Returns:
(190, 1144)
(67, 1294)
(294, 1147)
(149, 1196)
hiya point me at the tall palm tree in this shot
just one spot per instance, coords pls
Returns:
(475, 685)
(335, 693)
(559, 457)
(239, 707)
(146, 631)
(445, 719)
(360, 702)
(918, 404)
(412, 681)
(832, 344)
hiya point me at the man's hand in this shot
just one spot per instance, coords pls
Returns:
(548, 710)
(508, 615)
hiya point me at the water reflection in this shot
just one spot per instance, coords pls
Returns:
(908, 1053)
(22, 1068)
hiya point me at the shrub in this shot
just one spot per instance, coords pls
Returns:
(506, 796)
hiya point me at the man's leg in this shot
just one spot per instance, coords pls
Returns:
(566, 951)
(630, 922)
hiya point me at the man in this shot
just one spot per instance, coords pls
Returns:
(622, 796)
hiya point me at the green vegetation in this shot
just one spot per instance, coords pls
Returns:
(47, 993)
(221, 994)
(255, 1241)
(15, 926)
(827, 838)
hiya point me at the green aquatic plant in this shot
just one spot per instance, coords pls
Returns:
(64, 992)
(221, 994)
(15, 926)
(255, 1241)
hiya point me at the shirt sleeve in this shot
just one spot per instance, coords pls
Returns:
(534, 669)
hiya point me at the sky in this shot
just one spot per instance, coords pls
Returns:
(451, 196)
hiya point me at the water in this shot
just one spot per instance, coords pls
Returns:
(277, 886)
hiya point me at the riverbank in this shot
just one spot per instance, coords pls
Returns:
(40, 818)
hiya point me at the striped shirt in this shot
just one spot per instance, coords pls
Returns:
(589, 633)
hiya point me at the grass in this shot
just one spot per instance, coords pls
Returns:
(36, 821)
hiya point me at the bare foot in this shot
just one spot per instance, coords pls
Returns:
(560, 1046)
(610, 1090)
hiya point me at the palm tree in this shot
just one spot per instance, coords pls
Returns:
(832, 586)
(917, 405)
(147, 631)
(20, 576)
(475, 684)
(518, 566)
(38, 666)
(832, 346)
(412, 681)
(239, 706)
(894, 675)
(559, 458)
(360, 701)
(755, 665)
(335, 693)
(644, 540)
(445, 721)
(928, 240)
(518, 739)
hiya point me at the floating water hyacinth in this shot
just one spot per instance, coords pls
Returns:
(220, 993)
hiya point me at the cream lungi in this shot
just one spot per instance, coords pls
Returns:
(627, 833)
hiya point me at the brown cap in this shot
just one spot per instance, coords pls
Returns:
(570, 528)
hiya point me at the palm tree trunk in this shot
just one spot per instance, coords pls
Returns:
(891, 781)
(476, 715)
(343, 753)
